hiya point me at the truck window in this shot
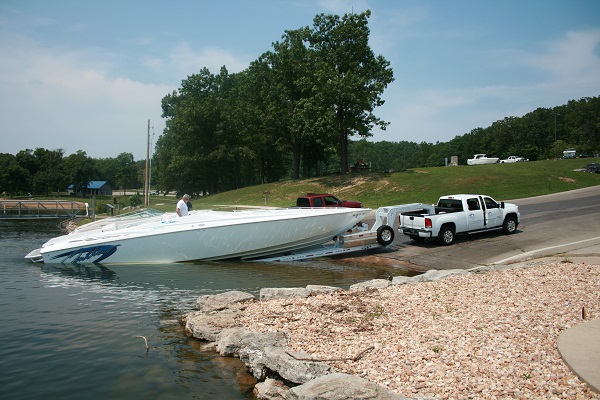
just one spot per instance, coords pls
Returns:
(473, 204)
(318, 202)
(490, 203)
(450, 203)
(302, 202)
(331, 201)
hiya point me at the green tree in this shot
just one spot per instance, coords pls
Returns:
(350, 79)
(127, 171)
(13, 177)
(192, 152)
(29, 163)
(80, 170)
(294, 108)
(50, 175)
(254, 135)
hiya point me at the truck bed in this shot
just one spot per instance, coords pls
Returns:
(438, 210)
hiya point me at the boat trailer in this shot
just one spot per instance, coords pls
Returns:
(381, 234)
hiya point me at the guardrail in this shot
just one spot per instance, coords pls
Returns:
(34, 209)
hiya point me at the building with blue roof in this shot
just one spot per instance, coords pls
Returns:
(98, 188)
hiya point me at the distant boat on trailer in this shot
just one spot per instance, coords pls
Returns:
(480, 159)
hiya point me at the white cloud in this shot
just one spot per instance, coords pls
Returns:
(566, 68)
(573, 58)
(58, 99)
(341, 7)
(182, 60)
(570, 60)
(187, 61)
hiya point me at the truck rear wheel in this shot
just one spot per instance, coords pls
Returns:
(510, 225)
(446, 235)
(385, 235)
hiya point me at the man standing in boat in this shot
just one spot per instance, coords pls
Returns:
(182, 208)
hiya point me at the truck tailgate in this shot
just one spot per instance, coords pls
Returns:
(412, 221)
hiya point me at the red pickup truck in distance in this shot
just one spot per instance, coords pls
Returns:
(325, 200)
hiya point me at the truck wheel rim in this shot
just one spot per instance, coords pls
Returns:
(448, 237)
(511, 226)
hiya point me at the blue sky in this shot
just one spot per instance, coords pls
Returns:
(88, 75)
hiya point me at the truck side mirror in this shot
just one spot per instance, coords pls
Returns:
(501, 204)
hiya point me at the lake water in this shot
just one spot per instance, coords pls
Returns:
(70, 332)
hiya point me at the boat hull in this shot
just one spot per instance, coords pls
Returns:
(204, 235)
(481, 159)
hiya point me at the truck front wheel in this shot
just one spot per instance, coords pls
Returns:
(446, 235)
(385, 235)
(510, 225)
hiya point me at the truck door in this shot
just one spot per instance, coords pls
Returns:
(493, 212)
(475, 214)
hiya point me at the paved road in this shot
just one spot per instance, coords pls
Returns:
(550, 225)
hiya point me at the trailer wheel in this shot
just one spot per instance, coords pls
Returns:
(510, 225)
(385, 235)
(446, 235)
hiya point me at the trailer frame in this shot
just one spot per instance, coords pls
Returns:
(381, 234)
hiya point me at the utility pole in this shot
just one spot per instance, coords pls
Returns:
(147, 180)
(151, 151)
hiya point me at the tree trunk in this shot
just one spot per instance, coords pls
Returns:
(296, 161)
(343, 141)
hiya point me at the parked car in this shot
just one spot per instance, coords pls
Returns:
(593, 168)
(513, 159)
(569, 153)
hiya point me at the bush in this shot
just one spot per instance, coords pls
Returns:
(100, 207)
(135, 200)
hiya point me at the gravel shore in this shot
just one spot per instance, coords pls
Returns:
(488, 335)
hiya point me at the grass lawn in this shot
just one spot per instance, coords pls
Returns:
(424, 185)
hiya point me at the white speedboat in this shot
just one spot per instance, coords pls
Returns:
(479, 159)
(202, 235)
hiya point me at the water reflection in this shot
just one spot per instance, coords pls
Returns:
(222, 276)
(67, 327)
(86, 272)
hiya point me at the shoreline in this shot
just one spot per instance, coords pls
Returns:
(487, 333)
(484, 335)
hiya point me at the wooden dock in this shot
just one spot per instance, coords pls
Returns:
(41, 209)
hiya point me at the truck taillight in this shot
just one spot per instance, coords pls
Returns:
(428, 223)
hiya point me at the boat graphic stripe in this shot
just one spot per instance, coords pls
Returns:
(88, 253)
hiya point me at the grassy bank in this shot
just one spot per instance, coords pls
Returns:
(501, 181)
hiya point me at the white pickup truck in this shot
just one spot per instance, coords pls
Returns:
(461, 213)
(513, 159)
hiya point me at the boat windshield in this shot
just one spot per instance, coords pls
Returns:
(143, 213)
(123, 220)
